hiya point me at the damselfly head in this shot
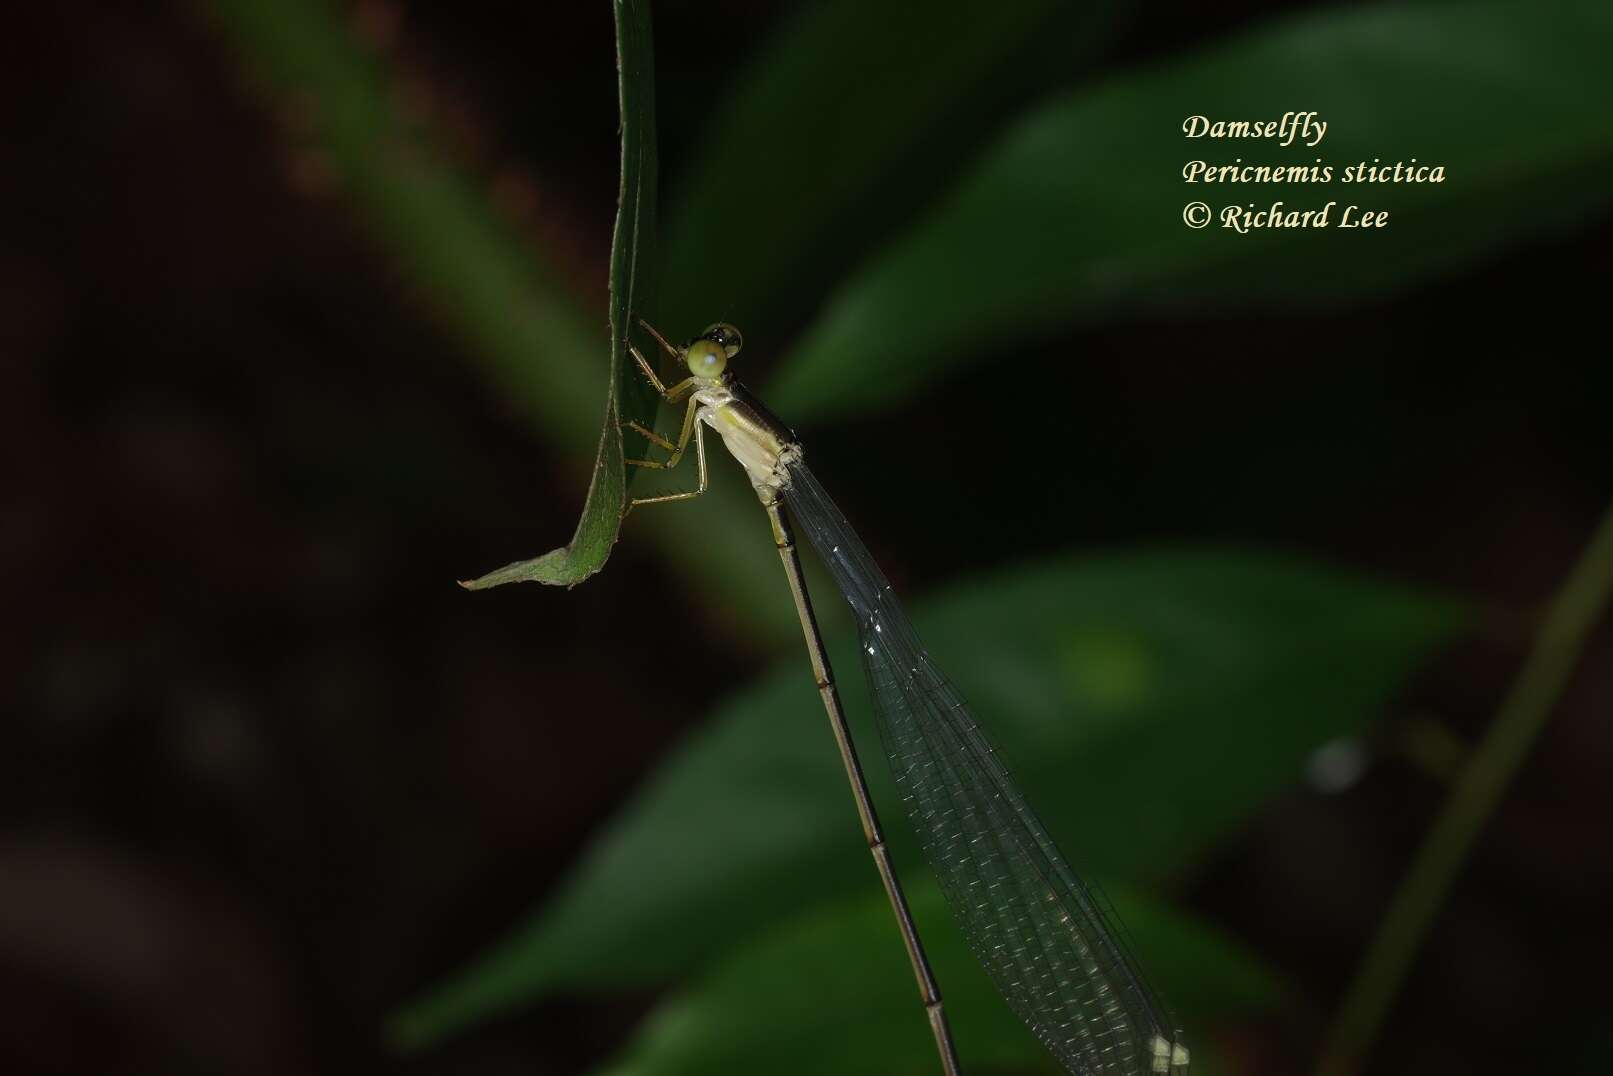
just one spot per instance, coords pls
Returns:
(706, 358)
(707, 354)
(724, 336)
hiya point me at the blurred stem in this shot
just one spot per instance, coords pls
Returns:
(1479, 788)
(484, 283)
(429, 216)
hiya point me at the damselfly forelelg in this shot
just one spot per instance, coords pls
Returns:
(1049, 940)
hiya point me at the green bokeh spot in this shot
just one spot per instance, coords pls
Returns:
(1110, 671)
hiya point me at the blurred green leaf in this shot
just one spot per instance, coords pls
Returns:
(1075, 217)
(854, 116)
(1150, 700)
(832, 992)
(632, 265)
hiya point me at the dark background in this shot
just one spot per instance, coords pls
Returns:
(268, 772)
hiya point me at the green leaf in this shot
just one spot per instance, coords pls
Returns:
(1151, 701)
(1076, 216)
(833, 992)
(632, 265)
(846, 125)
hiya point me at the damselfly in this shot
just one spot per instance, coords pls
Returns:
(1049, 940)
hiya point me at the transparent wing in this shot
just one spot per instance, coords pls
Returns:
(1050, 941)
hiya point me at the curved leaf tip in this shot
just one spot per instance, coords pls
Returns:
(631, 267)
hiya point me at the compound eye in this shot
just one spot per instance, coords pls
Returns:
(724, 336)
(705, 357)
